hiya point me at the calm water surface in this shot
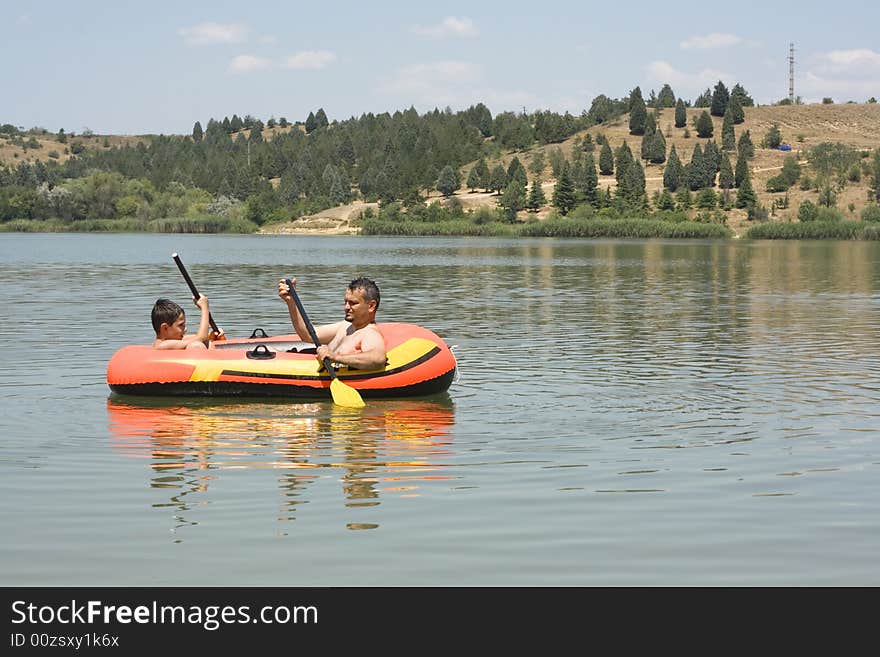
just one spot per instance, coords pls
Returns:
(627, 413)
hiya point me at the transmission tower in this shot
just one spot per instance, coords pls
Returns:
(791, 73)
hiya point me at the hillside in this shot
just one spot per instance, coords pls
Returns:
(801, 126)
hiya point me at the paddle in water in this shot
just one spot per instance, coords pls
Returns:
(342, 393)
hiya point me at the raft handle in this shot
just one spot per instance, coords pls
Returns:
(260, 352)
(263, 334)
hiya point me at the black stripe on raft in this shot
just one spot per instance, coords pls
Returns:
(343, 376)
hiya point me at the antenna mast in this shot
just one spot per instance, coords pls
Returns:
(791, 73)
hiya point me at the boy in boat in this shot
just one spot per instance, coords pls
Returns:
(169, 322)
(355, 341)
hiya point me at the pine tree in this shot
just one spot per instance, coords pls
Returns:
(720, 99)
(311, 123)
(745, 146)
(638, 112)
(590, 187)
(741, 96)
(483, 172)
(513, 198)
(648, 136)
(623, 159)
(606, 160)
(497, 179)
(736, 111)
(712, 160)
(658, 148)
(473, 179)
(680, 114)
(683, 199)
(321, 118)
(537, 199)
(666, 98)
(705, 127)
(515, 170)
(745, 195)
(197, 132)
(673, 174)
(447, 181)
(665, 201)
(728, 136)
(726, 178)
(741, 171)
(695, 172)
(563, 193)
(633, 189)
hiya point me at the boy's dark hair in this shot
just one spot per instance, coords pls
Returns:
(165, 311)
(368, 285)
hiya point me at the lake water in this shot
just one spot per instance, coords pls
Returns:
(627, 413)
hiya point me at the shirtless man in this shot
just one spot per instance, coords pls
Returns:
(356, 341)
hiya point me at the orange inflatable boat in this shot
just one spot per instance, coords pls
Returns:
(419, 363)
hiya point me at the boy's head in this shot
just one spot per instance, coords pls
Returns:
(166, 312)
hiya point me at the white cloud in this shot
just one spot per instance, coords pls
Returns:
(248, 64)
(310, 59)
(448, 27)
(683, 83)
(713, 40)
(205, 34)
(849, 62)
(420, 79)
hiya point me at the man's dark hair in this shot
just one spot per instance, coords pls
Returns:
(371, 290)
(165, 311)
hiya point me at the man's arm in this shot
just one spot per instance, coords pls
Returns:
(371, 356)
(325, 332)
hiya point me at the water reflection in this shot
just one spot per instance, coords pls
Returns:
(387, 448)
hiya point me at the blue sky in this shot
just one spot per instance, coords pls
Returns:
(157, 67)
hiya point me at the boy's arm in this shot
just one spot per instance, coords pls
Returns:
(204, 325)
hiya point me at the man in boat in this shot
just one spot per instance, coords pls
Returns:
(355, 341)
(169, 322)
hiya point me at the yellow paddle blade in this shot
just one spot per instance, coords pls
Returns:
(345, 395)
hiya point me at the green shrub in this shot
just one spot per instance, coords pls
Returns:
(871, 213)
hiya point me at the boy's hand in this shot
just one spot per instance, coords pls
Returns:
(217, 335)
(202, 302)
(284, 291)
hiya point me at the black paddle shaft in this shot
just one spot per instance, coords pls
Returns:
(192, 288)
(309, 327)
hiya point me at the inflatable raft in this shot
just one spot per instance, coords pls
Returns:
(419, 363)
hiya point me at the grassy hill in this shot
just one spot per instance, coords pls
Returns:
(801, 126)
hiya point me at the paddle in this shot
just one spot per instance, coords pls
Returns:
(343, 394)
(192, 288)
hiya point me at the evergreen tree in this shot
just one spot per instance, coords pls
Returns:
(447, 181)
(773, 137)
(695, 172)
(705, 127)
(683, 198)
(633, 189)
(606, 160)
(474, 180)
(666, 98)
(741, 171)
(638, 112)
(197, 132)
(744, 146)
(590, 185)
(712, 159)
(321, 118)
(648, 137)
(745, 195)
(741, 96)
(311, 123)
(706, 199)
(875, 178)
(623, 159)
(726, 178)
(728, 136)
(497, 179)
(736, 111)
(665, 201)
(657, 151)
(513, 199)
(563, 193)
(515, 170)
(680, 114)
(483, 172)
(673, 174)
(235, 124)
(720, 99)
(537, 199)
(704, 99)
(256, 135)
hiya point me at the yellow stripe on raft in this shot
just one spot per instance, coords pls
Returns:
(210, 370)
